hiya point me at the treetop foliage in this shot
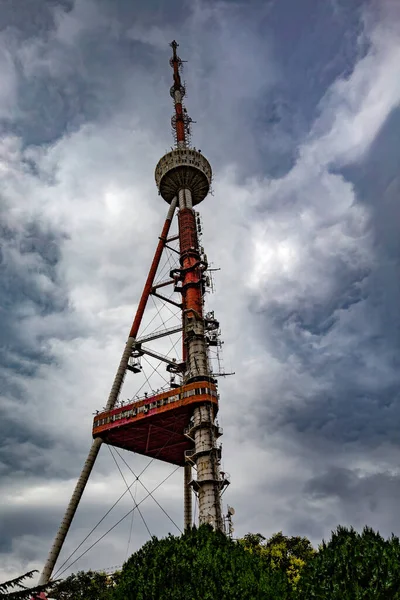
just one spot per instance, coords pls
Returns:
(20, 594)
(88, 585)
(207, 565)
(353, 566)
(286, 554)
(200, 564)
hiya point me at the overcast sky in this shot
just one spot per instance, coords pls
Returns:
(297, 109)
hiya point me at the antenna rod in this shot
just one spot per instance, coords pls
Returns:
(177, 93)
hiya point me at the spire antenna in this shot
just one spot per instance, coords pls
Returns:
(180, 120)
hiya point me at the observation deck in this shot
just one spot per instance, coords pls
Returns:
(183, 168)
(156, 426)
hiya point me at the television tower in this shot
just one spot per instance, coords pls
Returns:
(176, 425)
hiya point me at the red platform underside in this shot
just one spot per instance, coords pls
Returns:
(157, 436)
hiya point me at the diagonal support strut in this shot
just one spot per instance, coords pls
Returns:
(112, 399)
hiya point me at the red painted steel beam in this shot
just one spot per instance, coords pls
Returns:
(150, 277)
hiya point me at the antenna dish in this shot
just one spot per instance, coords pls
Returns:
(231, 510)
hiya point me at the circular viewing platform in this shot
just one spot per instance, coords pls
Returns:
(183, 168)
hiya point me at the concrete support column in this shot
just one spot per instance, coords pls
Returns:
(197, 361)
(188, 199)
(182, 199)
(70, 512)
(208, 477)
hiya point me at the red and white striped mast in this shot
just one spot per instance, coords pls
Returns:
(183, 178)
(185, 175)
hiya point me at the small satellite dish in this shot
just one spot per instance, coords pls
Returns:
(231, 510)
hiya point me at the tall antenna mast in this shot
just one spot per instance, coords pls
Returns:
(176, 425)
(179, 121)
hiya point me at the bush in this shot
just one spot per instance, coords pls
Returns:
(353, 567)
(201, 564)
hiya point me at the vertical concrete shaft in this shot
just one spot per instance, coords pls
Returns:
(113, 397)
(187, 497)
(208, 477)
(197, 365)
(188, 199)
(181, 196)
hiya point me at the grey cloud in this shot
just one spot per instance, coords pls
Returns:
(22, 450)
(25, 523)
(362, 497)
(338, 482)
(359, 401)
(355, 399)
(377, 183)
(26, 255)
(310, 58)
(33, 17)
(29, 449)
(288, 323)
(63, 98)
(27, 531)
(347, 415)
(354, 486)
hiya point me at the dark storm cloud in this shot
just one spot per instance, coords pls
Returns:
(28, 446)
(71, 76)
(276, 110)
(352, 486)
(360, 498)
(314, 42)
(20, 522)
(31, 287)
(50, 106)
(60, 82)
(151, 13)
(103, 57)
(317, 44)
(377, 184)
(343, 413)
(22, 450)
(27, 255)
(287, 325)
(358, 401)
(32, 17)
(94, 65)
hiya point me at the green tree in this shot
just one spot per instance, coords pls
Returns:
(253, 542)
(200, 564)
(20, 594)
(88, 585)
(353, 567)
(286, 554)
